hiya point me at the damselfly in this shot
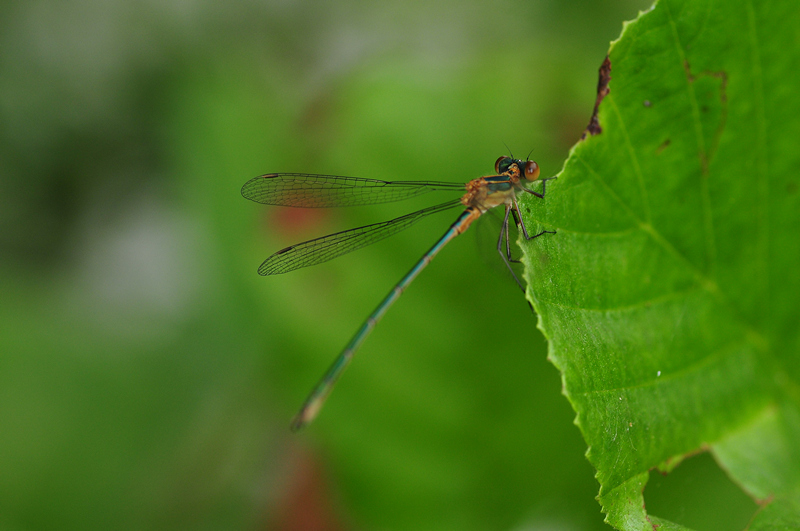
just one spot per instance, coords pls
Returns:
(316, 191)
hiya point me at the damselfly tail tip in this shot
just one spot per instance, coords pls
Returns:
(297, 423)
(305, 415)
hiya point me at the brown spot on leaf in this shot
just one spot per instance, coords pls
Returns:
(602, 90)
(663, 146)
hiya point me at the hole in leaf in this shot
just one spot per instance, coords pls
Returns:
(699, 495)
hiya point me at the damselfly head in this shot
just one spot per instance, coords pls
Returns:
(529, 169)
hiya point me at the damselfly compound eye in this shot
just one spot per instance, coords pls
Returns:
(531, 170)
(501, 164)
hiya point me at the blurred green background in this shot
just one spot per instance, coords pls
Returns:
(148, 374)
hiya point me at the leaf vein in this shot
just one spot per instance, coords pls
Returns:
(762, 163)
(698, 364)
(634, 159)
(634, 306)
(651, 230)
(703, 156)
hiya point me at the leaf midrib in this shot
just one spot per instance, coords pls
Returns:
(703, 155)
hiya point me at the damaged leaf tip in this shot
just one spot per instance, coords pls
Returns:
(602, 90)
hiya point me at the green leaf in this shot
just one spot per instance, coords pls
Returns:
(670, 292)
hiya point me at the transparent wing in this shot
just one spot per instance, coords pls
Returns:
(316, 191)
(328, 247)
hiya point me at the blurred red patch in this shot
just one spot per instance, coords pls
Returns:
(305, 504)
(292, 223)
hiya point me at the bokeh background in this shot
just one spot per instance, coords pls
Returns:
(148, 374)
